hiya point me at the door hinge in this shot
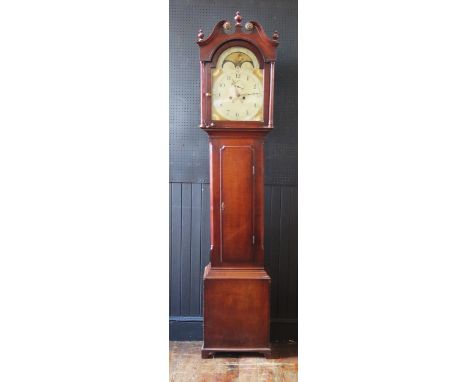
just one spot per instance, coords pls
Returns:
(253, 239)
(253, 170)
(222, 206)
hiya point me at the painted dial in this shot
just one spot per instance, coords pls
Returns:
(237, 87)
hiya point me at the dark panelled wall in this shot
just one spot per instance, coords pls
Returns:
(189, 164)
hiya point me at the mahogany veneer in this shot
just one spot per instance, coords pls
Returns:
(236, 285)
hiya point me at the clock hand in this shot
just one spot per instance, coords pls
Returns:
(244, 94)
(234, 83)
(237, 92)
(233, 92)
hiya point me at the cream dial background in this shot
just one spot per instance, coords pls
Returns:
(237, 86)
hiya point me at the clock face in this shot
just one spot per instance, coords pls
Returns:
(237, 87)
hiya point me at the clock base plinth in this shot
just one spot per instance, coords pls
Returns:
(236, 311)
(209, 353)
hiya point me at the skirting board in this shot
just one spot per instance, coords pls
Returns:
(183, 328)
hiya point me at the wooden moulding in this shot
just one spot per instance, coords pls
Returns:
(235, 273)
(218, 37)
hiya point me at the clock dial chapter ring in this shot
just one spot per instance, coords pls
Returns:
(237, 99)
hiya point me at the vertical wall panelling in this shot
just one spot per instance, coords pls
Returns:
(267, 228)
(274, 237)
(292, 253)
(185, 248)
(284, 251)
(205, 245)
(190, 247)
(170, 250)
(195, 250)
(176, 196)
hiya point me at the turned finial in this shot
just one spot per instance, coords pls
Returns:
(238, 18)
(275, 35)
(200, 35)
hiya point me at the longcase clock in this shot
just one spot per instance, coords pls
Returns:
(237, 66)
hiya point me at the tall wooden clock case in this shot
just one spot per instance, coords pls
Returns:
(237, 71)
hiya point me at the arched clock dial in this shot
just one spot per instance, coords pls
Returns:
(237, 86)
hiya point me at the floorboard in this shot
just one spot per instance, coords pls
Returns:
(186, 364)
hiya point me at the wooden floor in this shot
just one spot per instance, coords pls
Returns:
(186, 364)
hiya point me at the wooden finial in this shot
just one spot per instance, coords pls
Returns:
(200, 35)
(275, 35)
(238, 18)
